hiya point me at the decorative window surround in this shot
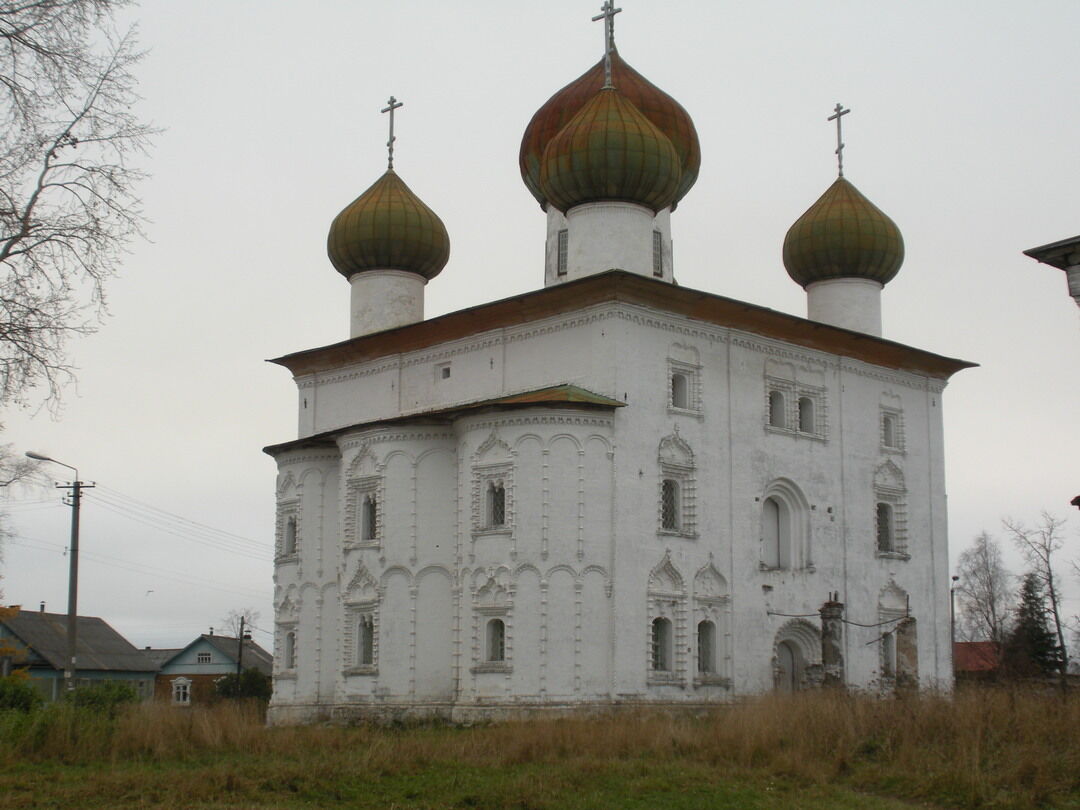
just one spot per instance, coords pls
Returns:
(364, 495)
(795, 409)
(491, 602)
(289, 652)
(785, 530)
(666, 601)
(889, 490)
(361, 618)
(677, 490)
(181, 691)
(287, 530)
(489, 480)
(689, 393)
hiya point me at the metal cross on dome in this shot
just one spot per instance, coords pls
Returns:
(392, 104)
(837, 112)
(607, 14)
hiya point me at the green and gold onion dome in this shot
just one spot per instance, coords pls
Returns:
(843, 235)
(388, 228)
(609, 150)
(656, 105)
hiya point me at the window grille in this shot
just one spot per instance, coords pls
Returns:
(884, 527)
(496, 505)
(661, 645)
(669, 505)
(564, 240)
(657, 254)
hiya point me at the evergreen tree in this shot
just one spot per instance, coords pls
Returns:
(1031, 648)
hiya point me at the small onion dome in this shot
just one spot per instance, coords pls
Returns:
(843, 235)
(610, 151)
(660, 108)
(388, 228)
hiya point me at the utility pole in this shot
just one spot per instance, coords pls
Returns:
(76, 487)
(240, 652)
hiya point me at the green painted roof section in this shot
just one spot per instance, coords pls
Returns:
(843, 235)
(388, 228)
(610, 151)
(556, 393)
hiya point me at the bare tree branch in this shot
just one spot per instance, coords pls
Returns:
(984, 591)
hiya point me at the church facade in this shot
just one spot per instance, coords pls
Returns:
(612, 490)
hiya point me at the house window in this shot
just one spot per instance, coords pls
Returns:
(496, 505)
(706, 647)
(661, 645)
(658, 254)
(290, 650)
(369, 517)
(886, 539)
(680, 391)
(202, 658)
(181, 692)
(496, 641)
(777, 417)
(563, 243)
(669, 505)
(365, 648)
(806, 415)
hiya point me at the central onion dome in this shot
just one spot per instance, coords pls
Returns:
(610, 151)
(658, 107)
(843, 235)
(388, 228)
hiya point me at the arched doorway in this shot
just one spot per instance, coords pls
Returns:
(789, 667)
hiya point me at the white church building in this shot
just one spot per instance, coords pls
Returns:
(613, 490)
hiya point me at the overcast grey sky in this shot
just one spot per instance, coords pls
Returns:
(963, 129)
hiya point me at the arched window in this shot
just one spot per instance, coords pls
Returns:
(680, 391)
(806, 415)
(706, 647)
(669, 505)
(775, 534)
(661, 645)
(365, 649)
(290, 535)
(777, 418)
(888, 430)
(496, 505)
(369, 516)
(290, 650)
(885, 533)
(496, 640)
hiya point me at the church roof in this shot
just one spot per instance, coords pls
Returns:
(617, 286)
(566, 396)
(1060, 254)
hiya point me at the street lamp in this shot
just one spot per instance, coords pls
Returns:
(76, 488)
(952, 609)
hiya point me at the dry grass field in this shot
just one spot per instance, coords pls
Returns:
(988, 748)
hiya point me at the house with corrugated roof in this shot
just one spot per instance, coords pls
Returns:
(189, 675)
(39, 640)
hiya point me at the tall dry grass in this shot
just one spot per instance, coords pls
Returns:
(971, 748)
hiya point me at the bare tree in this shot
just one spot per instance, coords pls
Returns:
(13, 470)
(231, 623)
(1038, 546)
(984, 591)
(67, 188)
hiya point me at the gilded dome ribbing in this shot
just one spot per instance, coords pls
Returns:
(656, 105)
(610, 151)
(388, 228)
(843, 235)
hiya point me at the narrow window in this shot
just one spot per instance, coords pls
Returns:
(888, 655)
(888, 430)
(496, 640)
(661, 645)
(657, 254)
(884, 527)
(369, 516)
(564, 241)
(669, 504)
(706, 647)
(202, 658)
(806, 415)
(290, 535)
(366, 646)
(496, 505)
(776, 410)
(770, 533)
(290, 650)
(680, 391)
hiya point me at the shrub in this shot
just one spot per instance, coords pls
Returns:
(250, 684)
(106, 696)
(17, 693)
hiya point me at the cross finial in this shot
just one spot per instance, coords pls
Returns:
(607, 14)
(391, 105)
(837, 112)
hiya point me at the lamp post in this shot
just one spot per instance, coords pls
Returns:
(952, 609)
(76, 488)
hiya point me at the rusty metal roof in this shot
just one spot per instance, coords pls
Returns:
(99, 647)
